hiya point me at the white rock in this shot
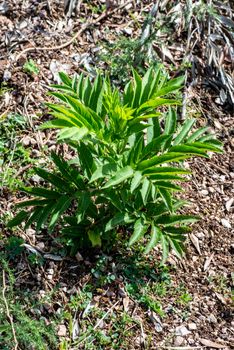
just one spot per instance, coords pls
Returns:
(229, 203)
(62, 330)
(204, 192)
(226, 223)
(182, 331)
(179, 341)
(212, 319)
(192, 326)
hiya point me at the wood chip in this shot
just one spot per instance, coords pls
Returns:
(211, 344)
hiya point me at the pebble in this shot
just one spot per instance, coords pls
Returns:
(212, 319)
(226, 223)
(6, 75)
(211, 189)
(30, 232)
(40, 245)
(36, 178)
(62, 330)
(204, 192)
(229, 203)
(179, 341)
(182, 331)
(192, 326)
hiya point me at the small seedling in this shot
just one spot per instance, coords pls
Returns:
(31, 68)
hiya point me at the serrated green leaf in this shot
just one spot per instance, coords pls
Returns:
(168, 185)
(171, 86)
(62, 205)
(166, 196)
(187, 126)
(41, 192)
(164, 177)
(136, 180)
(197, 134)
(164, 158)
(170, 122)
(145, 190)
(104, 171)
(139, 230)
(156, 234)
(177, 230)
(56, 124)
(176, 219)
(73, 133)
(165, 170)
(120, 176)
(187, 149)
(118, 219)
(18, 219)
(165, 248)
(32, 203)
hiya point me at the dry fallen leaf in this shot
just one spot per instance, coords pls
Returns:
(195, 242)
(207, 262)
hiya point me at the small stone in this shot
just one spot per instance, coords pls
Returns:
(204, 192)
(36, 178)
(4, 8)
(211, 189)
(50, 277)
(79, 257)
(128, 31)
(192, 326)
(6, 75)
(40, 245)
(62, 330)
(229, 203)
(179, 341)
(30, 232)
(182, 331)
(212, 319)
(26, 141)
(226, 223)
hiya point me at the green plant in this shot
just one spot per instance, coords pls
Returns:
(121, 178)
(28, 330)
(31, 68)
(14, 247)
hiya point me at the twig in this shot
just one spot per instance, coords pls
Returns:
(99, 322)
(16, 346)
(76, 36)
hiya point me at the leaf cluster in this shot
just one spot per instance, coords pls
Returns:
(127, 164)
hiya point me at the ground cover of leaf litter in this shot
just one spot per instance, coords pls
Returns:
(188, 303)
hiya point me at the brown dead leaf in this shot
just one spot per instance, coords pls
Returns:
(195, 242)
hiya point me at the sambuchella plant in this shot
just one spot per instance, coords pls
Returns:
(127, 163)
